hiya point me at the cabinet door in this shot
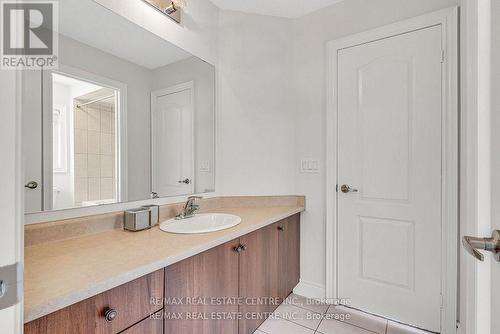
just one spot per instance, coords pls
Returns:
(191, 286)
(289, 254)
(131, 301)
(258, 277)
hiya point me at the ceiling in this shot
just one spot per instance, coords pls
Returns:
(281, 8)
(91, 24)
(83, 87)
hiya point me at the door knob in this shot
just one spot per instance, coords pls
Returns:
(472, 244)
(348, 189)
(31, 185)
(186, 181)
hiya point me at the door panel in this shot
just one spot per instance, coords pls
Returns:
(32, 139)
(378, 104)
(172, 117)
(258, 277)
(389, 141)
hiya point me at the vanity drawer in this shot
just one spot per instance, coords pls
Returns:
(151, 325)
(131, 301)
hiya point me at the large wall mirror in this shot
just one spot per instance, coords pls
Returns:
(126, 116)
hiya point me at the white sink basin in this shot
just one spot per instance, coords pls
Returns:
(201, 223)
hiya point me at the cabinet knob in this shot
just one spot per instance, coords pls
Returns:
(240, 248)
(110, 314)
(281, 228)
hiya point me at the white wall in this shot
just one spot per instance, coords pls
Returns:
(196, 34)
(63, 182)
(311, 33)
(256, 130)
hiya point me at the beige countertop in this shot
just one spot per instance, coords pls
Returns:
(61, 273)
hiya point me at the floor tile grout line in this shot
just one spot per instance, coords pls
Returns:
(323, 314)
(308, 309)
(322, 318)
(298, 324)
(352, 325)
(366, 329)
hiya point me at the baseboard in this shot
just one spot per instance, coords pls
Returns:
(310, 290)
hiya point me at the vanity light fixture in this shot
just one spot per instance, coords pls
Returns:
(171, 8)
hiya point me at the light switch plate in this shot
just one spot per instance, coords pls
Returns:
(204, 166)
(310, 166)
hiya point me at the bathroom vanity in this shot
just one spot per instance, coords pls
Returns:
(156, 282)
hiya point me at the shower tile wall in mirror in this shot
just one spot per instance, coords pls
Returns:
(126, 116)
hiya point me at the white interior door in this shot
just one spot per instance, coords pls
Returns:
(32, 140)
(172, 141)
(389, 148)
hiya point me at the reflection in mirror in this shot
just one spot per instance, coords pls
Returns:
(126, 116)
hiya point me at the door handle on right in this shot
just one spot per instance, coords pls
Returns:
(472, 244)
(345, 188)
(31, 185)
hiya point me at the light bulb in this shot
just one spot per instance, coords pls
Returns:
(180, 3)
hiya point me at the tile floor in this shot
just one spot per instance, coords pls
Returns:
(298, 315)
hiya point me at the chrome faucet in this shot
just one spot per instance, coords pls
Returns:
(190, 208)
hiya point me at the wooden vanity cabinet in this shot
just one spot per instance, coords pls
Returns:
(131, 301)
(259, 269)
(229, 289)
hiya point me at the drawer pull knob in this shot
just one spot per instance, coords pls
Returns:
(110, 314)
(240, 248)
(281, 228)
